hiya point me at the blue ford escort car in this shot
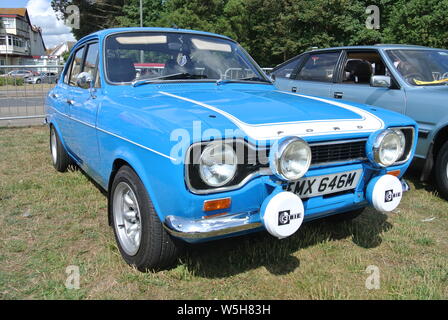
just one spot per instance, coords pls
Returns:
(199, 145)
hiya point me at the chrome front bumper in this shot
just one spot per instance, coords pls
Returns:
(207, 228)
(211, 227)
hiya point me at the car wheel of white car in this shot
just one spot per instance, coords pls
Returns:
(141, 238)
(59, 156)
(441, 171)
(37, 81)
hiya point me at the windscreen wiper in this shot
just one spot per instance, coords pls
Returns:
(257, 79)
(174, 76)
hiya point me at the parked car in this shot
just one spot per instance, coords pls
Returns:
(18, 74)
(43, 77)
(411, 80)
(210, 148)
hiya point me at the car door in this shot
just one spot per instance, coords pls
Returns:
(353, 81)
(65, 95)
(316, 74)
(83, 106)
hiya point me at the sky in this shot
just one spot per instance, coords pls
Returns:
(42, 15)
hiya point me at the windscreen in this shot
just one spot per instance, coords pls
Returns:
(136, 56)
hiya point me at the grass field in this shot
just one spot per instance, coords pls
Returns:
(49, 221)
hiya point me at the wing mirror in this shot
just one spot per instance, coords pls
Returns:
(381, 81)
(84, 80)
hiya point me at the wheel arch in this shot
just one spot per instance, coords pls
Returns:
(438, 140)
(135, 165)
(440, 137)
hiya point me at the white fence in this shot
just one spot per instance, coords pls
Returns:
(23, 89)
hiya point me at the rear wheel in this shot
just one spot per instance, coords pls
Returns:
(141, 238)
(59, 156)
(441, 171)
(38, 81)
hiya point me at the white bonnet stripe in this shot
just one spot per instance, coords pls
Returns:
(268, 131)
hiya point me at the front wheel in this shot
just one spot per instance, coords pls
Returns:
(141, 238)
(441, 171)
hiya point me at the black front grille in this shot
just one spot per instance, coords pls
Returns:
(338, 152)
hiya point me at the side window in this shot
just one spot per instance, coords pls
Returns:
(319, 67)
(76, 67)
(361, 66)
(286, 70)
(91, 61)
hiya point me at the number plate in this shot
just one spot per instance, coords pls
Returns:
(320, 185)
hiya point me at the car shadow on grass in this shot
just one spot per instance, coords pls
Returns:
(227, 257)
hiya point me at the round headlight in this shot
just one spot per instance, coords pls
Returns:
(292, 159)
(389, 147)
(217, 164)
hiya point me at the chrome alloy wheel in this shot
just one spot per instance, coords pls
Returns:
(127, 218)
(53, 146)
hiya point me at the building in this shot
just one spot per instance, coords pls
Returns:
(20, 41)
(59, 51)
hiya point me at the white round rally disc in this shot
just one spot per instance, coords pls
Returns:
(385, 192)
(283, 214)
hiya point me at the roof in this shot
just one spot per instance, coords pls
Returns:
(105, 32)
(379, 46)
(14, 11)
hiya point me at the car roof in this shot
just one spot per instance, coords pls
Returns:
(106, 32)
(378, 46)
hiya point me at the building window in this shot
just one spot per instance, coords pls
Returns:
(9, 23)
(2, 40)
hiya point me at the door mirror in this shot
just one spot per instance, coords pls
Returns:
(381, 81)
(84, 80)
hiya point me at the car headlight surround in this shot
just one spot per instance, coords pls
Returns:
(217, 164)
(290, 159)
(388, 147)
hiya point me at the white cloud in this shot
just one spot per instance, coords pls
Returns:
(54, 31)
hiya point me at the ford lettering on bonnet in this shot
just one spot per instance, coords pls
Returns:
(192, 142)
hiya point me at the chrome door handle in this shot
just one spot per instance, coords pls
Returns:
(338, 95)
(70, 102)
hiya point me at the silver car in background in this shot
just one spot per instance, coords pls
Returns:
(43, 77)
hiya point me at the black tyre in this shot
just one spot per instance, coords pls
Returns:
(346, 216)
(38, 81)
(141, 238)
(441, 171)
(59, 157)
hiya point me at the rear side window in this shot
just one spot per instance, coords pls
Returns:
(76, 67)
(319, 67)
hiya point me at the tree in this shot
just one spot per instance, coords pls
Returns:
(94, 15)
(276, 30)
(420, 22)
